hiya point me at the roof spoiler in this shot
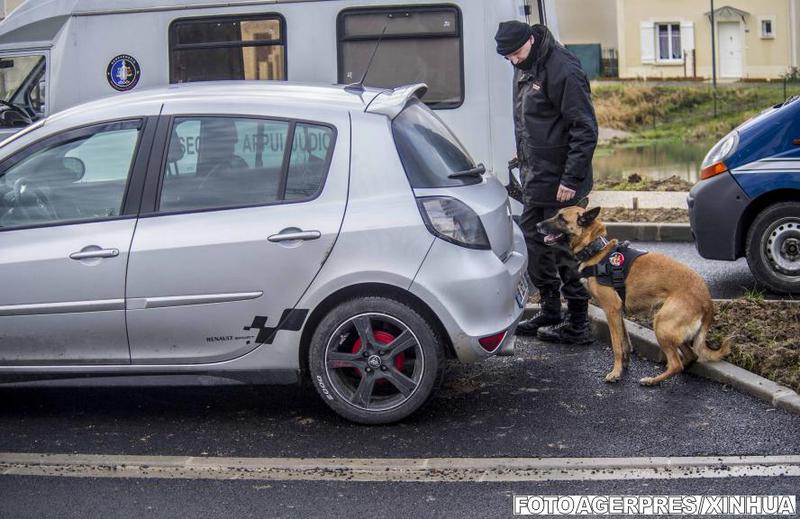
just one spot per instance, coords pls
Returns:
(391, 102)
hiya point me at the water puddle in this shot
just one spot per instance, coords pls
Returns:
(656, 161)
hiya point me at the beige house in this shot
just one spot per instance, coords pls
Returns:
(672, 38)
(586, 22)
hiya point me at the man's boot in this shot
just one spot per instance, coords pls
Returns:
(574, 329)
(549, 314)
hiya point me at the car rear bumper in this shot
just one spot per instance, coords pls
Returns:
(715, 210)
(474, 293)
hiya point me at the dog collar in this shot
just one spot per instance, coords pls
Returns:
(593, 248)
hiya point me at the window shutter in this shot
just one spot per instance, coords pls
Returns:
(687, 36)
(648, 42)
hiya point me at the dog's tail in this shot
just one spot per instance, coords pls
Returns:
(700, 347)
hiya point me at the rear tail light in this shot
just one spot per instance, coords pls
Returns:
(452, 220)
(491, 342)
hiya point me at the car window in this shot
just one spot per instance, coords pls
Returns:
(308, 163)
(429, 151)
(77, 178)
(223, 162)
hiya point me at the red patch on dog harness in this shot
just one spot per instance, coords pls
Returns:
(616, 259)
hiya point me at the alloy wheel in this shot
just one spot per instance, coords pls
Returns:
(374, 362)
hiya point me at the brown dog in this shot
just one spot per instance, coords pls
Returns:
(677, 294)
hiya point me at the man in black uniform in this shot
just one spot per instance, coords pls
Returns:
(556, 133)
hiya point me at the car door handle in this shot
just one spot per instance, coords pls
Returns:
(98, 253)
(295, 235)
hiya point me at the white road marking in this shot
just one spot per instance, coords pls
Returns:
(396, 469)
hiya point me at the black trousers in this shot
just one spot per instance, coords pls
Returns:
(551, 267)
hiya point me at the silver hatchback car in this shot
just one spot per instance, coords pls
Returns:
(255, 232)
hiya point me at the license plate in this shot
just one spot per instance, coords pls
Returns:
(522, 290)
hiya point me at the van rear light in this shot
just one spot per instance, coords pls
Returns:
(491, 342)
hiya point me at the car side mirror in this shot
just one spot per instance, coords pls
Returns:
(75, 166)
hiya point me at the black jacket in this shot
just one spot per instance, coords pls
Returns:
(554, 122)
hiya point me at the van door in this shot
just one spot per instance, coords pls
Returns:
(65, 231)
(247, 212)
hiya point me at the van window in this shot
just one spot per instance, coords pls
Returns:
(223, 162)
(420, 45)
(429, 151)
(22, 90)
(243, 47)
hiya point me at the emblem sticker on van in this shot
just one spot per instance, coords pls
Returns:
(123, 73)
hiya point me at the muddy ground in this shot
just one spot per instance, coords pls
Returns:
(636, 182)
(660, 215)
(766, 336)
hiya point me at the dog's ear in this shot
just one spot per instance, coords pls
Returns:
(588, 217)
(583, 203)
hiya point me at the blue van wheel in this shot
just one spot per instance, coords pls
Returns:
(773, 247)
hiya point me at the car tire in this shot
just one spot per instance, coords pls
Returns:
(773, 247)
(389, 379)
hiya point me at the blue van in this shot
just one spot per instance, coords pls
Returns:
(747, 202)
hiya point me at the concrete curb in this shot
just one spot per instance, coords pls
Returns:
(395, 469)
(645, 345)
(641, 231)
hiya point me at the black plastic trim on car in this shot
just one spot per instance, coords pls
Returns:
(136, 178)
(157, 164)
(282, 41)
(142, 149)
(458, 32)
(158, 155)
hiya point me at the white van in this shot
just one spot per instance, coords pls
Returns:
(58, 53)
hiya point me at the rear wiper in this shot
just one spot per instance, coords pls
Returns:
(477, 171)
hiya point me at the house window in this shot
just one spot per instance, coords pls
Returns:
(669, 41)
(419, 45)
(767, 28)
(239, 47)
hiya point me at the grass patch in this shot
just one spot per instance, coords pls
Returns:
(683, 112)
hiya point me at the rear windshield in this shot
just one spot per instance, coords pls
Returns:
(429, 150)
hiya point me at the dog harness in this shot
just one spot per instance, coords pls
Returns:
(613, 269)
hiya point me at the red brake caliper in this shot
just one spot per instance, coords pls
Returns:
(383, 338)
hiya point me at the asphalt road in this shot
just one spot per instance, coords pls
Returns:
(725, 279)
(103, 498)
(547, 401)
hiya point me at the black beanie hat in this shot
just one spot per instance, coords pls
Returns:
(511, 36)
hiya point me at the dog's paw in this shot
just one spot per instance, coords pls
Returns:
(612, 377)
(648, 381)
